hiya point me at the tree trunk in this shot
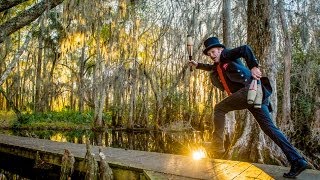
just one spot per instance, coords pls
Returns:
(227, 27)
(16, 58)
(134, 70)
(250, 143)
(44, 102)
(82, 63)
(227, 23)
(316, 124)
(133, 87)
(17, 85)
(158, 98)
(99, 85)
(11, 104)
(7, 4)
(37, 98)
(51, 80)
(144, 109)
(286, 122)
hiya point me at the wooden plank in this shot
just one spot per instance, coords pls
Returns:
(253, 172)
(152, 175)
(221, 168)
(233, 171)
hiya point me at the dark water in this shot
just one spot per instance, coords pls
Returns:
(182, 143)
(156, 141)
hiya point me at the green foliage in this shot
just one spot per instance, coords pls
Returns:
(306, 105)
(304, 86)
(172, 106)
(7, 118)
(64, 118)
(106, 32)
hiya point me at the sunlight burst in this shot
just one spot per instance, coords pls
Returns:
(198, 154)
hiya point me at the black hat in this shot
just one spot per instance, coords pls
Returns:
(210, 43)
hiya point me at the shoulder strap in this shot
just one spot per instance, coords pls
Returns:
(223, 81)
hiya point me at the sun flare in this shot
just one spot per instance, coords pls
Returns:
(198, 154)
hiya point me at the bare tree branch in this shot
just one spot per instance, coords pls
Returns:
(7, 4)
(26, 17)
(16, 59)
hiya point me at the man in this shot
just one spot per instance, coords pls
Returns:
(229, 73)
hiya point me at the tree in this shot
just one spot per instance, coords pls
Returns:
(99, 85)
(227, 23)
(38, 105)
(227, 28)
(286, 123)
(250, 143)
(15, 60)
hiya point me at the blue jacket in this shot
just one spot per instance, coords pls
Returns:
(236, 74)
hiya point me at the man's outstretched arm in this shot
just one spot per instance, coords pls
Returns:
(206, 67)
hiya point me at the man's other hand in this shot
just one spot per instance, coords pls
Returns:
(256, 73)
(193, 63)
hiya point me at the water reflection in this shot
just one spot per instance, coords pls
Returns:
(155, 141)
(9, 175)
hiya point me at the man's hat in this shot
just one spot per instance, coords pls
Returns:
(210, 43)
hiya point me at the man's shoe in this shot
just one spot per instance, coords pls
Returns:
(296, 168)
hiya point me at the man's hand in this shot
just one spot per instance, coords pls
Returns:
(193, 63)
(256, 73)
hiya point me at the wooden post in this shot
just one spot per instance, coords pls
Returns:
(91, 165)
(105, 170)
(67, 165)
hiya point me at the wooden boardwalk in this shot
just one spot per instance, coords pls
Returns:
(152, 165)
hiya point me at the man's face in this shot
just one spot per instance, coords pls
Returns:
(214, 53)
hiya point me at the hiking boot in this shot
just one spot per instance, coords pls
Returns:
(296, 168)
